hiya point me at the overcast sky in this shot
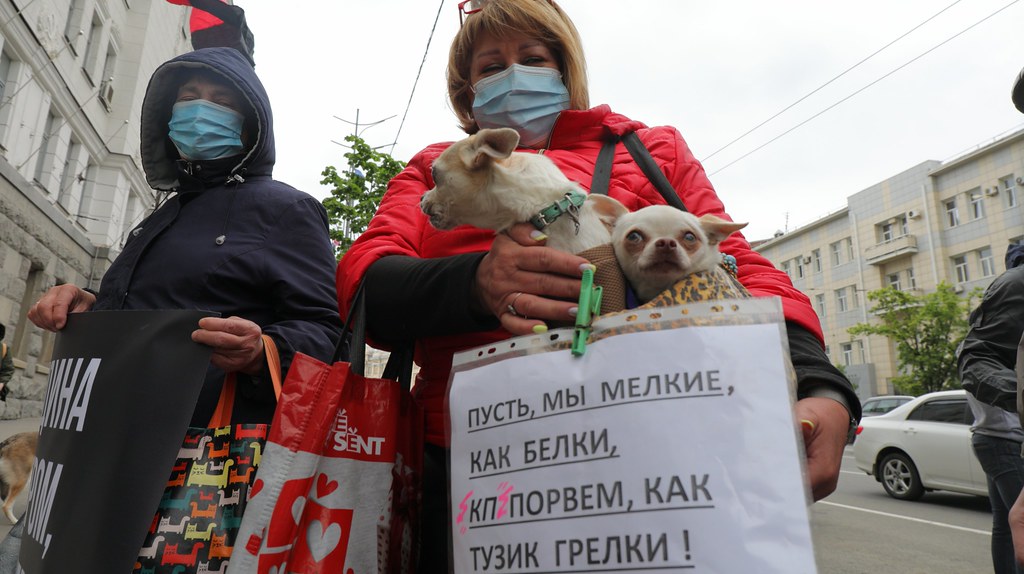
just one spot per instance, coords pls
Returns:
(714, 70)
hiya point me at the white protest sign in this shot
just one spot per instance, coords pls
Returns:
(672, 449)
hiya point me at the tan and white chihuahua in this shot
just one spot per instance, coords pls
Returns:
(659, 245)
(482, 181)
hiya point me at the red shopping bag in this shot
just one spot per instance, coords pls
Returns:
(338, 487)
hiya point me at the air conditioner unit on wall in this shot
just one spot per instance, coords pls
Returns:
(1020, 181)
(958, 288)
(992, 191)
(913, 214)
(807, 259)
(107, 93)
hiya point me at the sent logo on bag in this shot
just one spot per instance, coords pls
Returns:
(348, 439)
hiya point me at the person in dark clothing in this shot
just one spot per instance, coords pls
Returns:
(986, 360)
(1004, 393)
(229, 238)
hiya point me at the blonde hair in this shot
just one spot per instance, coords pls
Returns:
(542, 20)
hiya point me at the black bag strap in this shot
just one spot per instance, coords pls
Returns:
(603, 167)
(642, 157)
(353, 344)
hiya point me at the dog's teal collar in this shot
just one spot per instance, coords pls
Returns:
(729, 264)
(569, 205)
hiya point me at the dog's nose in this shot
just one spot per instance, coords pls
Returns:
(665, 243)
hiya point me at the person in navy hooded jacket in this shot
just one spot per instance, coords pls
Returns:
(228, 238)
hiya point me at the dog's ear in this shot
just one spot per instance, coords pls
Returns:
(493, 144)
(608, 210)
(717, 229)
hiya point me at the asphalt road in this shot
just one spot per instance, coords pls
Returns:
(860, 529)
(857, 530)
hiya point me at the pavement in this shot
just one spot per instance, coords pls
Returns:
(8, 428)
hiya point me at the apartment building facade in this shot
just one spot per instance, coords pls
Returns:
(937, 221)
(72, 77)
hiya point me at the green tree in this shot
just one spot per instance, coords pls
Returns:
(926, 330)
(356, 193)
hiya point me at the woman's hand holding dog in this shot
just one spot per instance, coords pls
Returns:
(51, 311)
(524, 283)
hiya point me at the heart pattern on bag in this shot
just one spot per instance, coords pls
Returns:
(324, 486)
(297, 507)
(322, 541)
(256, 488)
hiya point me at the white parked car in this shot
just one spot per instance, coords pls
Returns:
(922, 445)
(882, 404)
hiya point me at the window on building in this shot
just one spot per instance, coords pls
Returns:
(6, 93)
(799, 264)
(816, 260)
(5, 74)
(787, 268)
(107, 79)
(960, 268)
(886, 232)
(988, 264)
(911, 281)
(853, 301)
(132, 214)
(1009, 190)
(828, 353)
(836, 253)
(73, 178)
(952, 215)
(94, 50)
(34, 287)
(977, 203)
(893, 228)
(73, 26)
(89, 185)
(110, 63)
(847, 352)
(819, 304)
(842, 303)
(46, 152)
(849, 249)
(893, 280)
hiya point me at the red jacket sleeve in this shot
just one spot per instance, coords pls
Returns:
(396, 229)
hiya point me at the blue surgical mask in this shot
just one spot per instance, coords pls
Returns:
(527, 99)
(203, 130)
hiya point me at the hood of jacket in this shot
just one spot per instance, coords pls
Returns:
(159, 157)
(1014, 255)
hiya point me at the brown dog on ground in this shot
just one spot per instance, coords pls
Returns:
(17, 453)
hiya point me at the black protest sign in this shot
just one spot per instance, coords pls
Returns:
(121, 391)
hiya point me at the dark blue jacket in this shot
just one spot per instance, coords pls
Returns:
(229, 238)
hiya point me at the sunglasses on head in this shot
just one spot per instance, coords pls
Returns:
(467, 7)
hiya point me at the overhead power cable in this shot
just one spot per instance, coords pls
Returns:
(816, 90)
(418, 72)
(911, 61)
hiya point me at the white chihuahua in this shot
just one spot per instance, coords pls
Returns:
(481, 181)
(659, 245)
